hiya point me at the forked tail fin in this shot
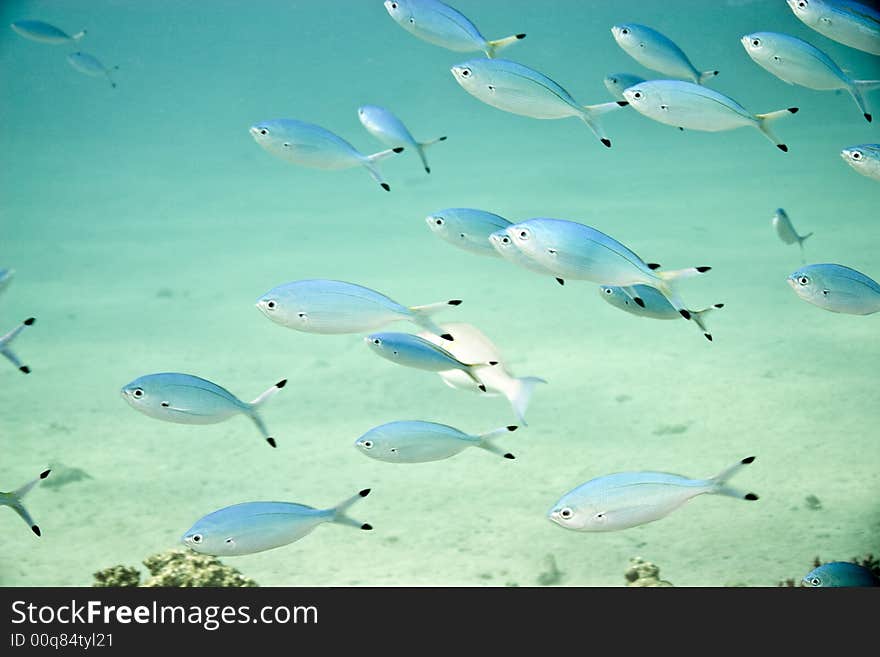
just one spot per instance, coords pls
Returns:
(370, 164)
(498, 44)
(14, 500)
(338, 512)
(591, 113)
(421, 315)
(764, 121)
(666, 286)
(487, 441)
(719, 481)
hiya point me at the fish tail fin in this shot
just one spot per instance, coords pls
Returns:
(422, 145)
(492, 47)
(471, 368)
(14, 500)
(718, 483)
(7, 339)
(421, 315)
(370, 164)
(764, 121)
(589, 114)
(706, 75)
(801, 240)
(257, 403)
(699, 317)
(487, 441)
(857, 89)
(519, 393)
(338, 514)
(264, 397)
(666, 286)
(79, 35)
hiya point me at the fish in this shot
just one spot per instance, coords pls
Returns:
(332, 307)
(188, 399)
(413, 351)
(440, 24)
(45, 33)
(657, 52)
(6, 276)
(795, 61)
(391, 131)
(840, 573)
(89, 64)
(864, 158)
(628, 499)
(253, 527)
(6, 341)
(655, 305)
(14, 500)
(836, 288)
(472, 346)
(467, 228)
(503, 244)
(617, 82)
(521, 90)
(573, 250)
(310, 145)
(417, 441)
(851, 23)
(785, 229)
(688, 105)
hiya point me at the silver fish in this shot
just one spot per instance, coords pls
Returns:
(467, 229)
(652, 304)
(657, 52)
(850, 23)
(785, 229)
(617, 82)
(864, 158)
(417, 441)
(312, 146)
(688, 105)
(90, 65)
(391, 131)
(627, 499)
(14, 500)
(45, 33)
(836, 288)
(6, 341)
(440, 24)
(521, 90)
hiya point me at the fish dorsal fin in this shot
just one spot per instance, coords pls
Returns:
(653, 265)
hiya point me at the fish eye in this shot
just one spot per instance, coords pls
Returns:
(197, 538)
(524, 234)
(438, 221)
(465, 72)
(137, 393)
(613, 80)
(368, 444)
(271, 304)
(607, 290)
(566, 513)
(815, 581)
(803, 4)
(856, 155)
(803, 280)
(637, 95)
(625, 31)
(377, 341)
(756, 42)
(394, 5)
(264, 132)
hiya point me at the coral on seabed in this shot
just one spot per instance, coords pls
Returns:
(175, 567)
(643, 573)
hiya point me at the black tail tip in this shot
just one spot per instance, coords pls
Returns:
(684, 313)
(719, 305)
(703, 270)
(454, 302)
(623, 103)
(364, 492)
(520, 36)
(36, 530)
(29, 321)
(512, 427)
(448, 336)
(606, 142)
(281, 383)
(427, 169)
(493, 362)
(708, 336)
(653, 265)
(24, 369)
(639, 301)
(751, 497)
(868, 117)
(482, 387)
(782, 147)
(386, 187)
(45, 473)
(399, 149)
(561, 281)
(367, 526)
(747, 460)
(794, 110)
(272, 442)
(509, 456)
(443, 138)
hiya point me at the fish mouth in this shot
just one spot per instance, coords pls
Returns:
(792, 283)
(615, 30)
(745, 41)
(254, 131)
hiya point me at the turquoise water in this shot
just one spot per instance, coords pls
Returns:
(143, 222)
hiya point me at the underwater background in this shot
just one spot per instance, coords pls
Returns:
(143, 223)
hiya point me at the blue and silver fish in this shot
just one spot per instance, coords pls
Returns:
(413, 351)
(657, 52)
(795, 61)
(840, 573)
(466, 228)
(254, 527)
(440, 24)
(45, 33)
(325, 306)
(312, 146)
(6, 341)
(617, 82)
(416, 441)
(521, 90)
(836, 288)
(90, 65)
(688, 105)
(653, 304)
(850, 23)
(391, 131)
(864, 158)
(628, 499)
(785, 229)
(188, 399)
(14, 501)
(573, 250)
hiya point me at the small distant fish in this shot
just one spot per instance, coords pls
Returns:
(785, 229)
(657, 52)
(472, 346)
(503, 244)
(44, 32)
(89, 64)
(573, 250)
(440, 24)
(391, 131)
(188, 399)
(795, 61)
(687, 105)
(653, 305)
(413, 351)
(254, 527)
(521, 90)
(847, 22)
(627, 499)
(420, 442)
(840, 573)
(325, 306)
(836, 288)
(864, 158)
(65, 475)
(6, 276)
(466, 228)
(312, 146)
(6, 341)
(617, 82)
(14, 500)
